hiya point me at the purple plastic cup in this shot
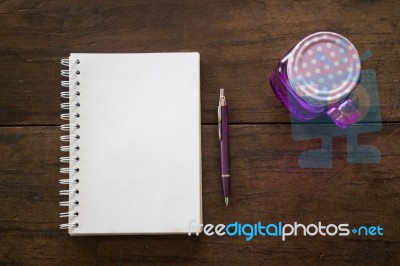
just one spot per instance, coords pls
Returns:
(317, 76)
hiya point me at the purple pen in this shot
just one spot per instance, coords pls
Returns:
(223, 132)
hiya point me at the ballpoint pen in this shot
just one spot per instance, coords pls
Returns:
(223, 132)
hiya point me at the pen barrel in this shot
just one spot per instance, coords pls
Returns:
(224, 143)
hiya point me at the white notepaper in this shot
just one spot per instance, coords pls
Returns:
(140, 147)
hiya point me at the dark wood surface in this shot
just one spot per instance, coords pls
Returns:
(239, 42)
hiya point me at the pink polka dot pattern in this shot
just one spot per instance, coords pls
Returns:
(324, 68)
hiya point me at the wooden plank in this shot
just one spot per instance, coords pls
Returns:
(267, 186)
(239, 42)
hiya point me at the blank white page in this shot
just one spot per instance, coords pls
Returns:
(140, 147)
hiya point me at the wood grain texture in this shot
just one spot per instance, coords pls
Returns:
(267, 186)
(239, 42)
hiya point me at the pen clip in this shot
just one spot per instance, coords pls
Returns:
(219, 122)
(222, 102)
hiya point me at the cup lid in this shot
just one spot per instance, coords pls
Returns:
(324, 68)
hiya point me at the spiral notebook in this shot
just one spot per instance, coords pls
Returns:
(132, 146)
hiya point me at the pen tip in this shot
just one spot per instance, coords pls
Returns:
(221, 92)
(226, 201)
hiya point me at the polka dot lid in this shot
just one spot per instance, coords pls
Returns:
(324, 68)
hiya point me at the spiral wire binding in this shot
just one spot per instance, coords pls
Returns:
(69, 95)
(69, 159)
(69, 148)
(72, 84)
(66, 192)
(69, 138)
(68, 127)
(69, 203)
(69, 116)
(68, 214)
(69, 106)
(69, 181)
(69, 73)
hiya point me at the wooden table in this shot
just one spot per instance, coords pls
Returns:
(239, 42)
